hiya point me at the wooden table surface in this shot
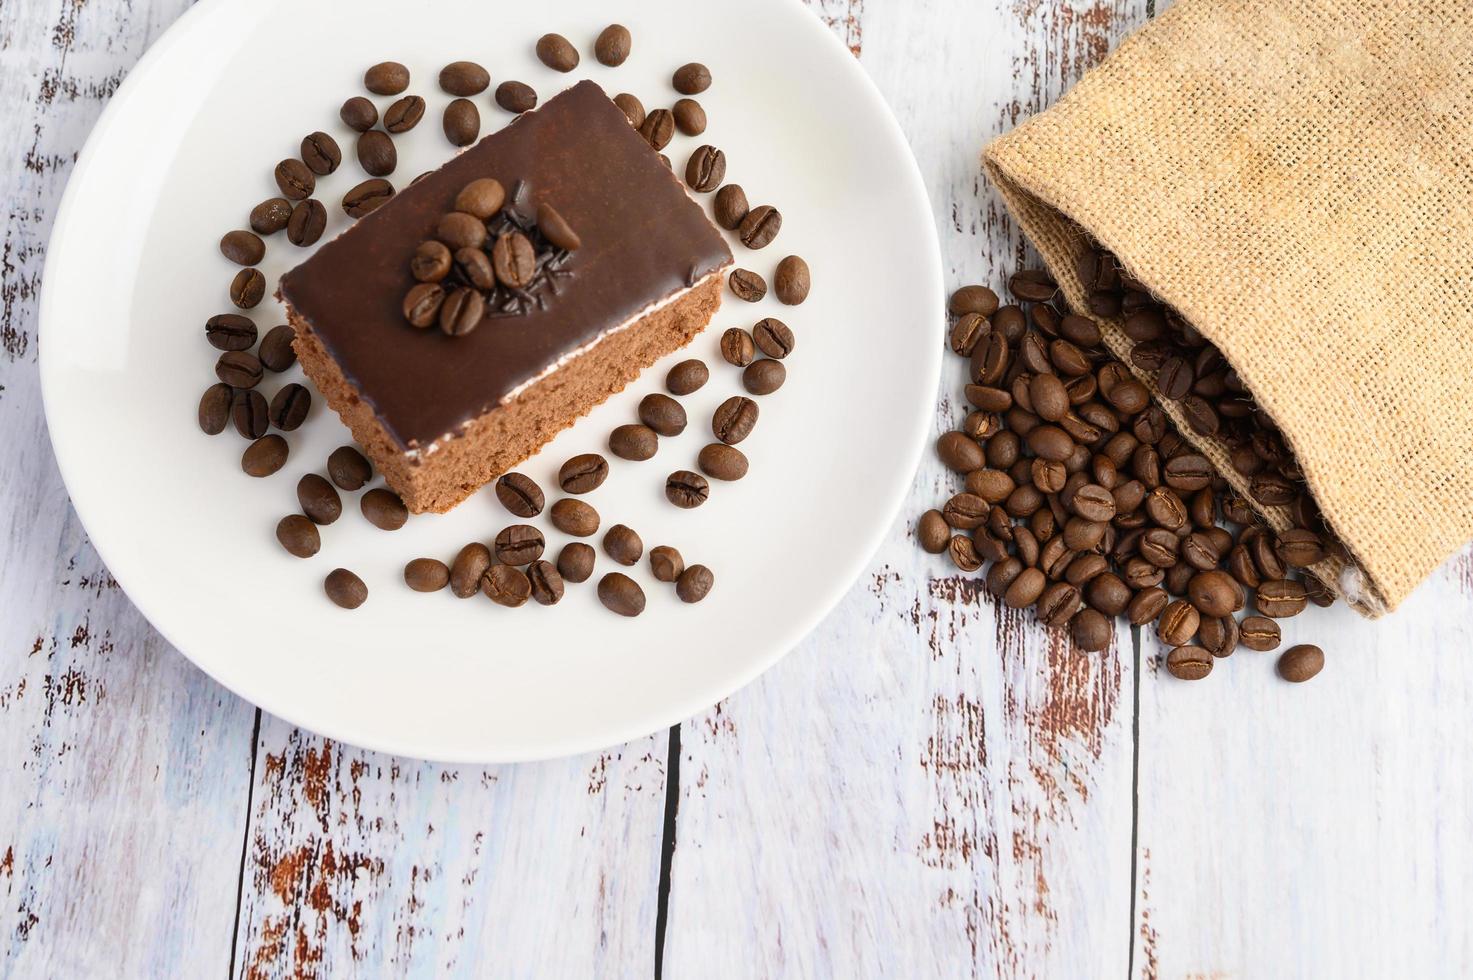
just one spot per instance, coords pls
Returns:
(929, 785)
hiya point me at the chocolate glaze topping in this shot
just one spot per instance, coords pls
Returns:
(643, 238)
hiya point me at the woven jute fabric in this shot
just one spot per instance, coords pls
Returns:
(1295, 177)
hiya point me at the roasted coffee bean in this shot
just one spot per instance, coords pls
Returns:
(634, 441)
(1002, 574)
(359, 114)
(514, 259)
(1280, 598)
(686, 489)
(1177, 578)
(461, 312)
(238, 369)
(747, 285)
(506, 585)
(294, 179)
(460, 229)
(481, 199)
(691, 79)
(1093, 503)
(722, 462)
(1215, 593)
(1265, 557)
(1083, 568)
(1033, 286)
(1108, 593)
(764, 377)
(706, 168)
(1199, 550)
(1057, 604)
(1091, 631)
(1218, 635)
(242, 247)
(583, 473)
(289, 407)
(247, 288)
(348, 468)
(623, 545)
(519, 494)
(1258, 633)
(658, 128)
(376, 154)
(575, 562)
(464, 78)
(230, 332)
(345, 589)
(214, 408)
(519, 544)
(1300, 548)
(964, 553)
(632, 108)
(1147, 605)
(270, 216)
(461, 122)
(555, 228)
(574, 517)
(690, 119)
(613, 45)
(965, 511)
(518, 97)
(737, 347)
(992, 400)
(666, 564)
(1166, 509)
(264, 456)
(733, 419)
(1050, 442)
(1189, 663)
(546, 582)
(319, 501)
(248, 412)
(621, 594)
(983, 426)
(1160, 547)
(1025, 589)
(687, 377)
(966, 334)
(932, 532)
(760, 226)
(426, 575)
(1299, 663)
(1178, 623)
(663, 414)
(386, 78)
(307, 223)
(973, 299)
(298, 536)
(383, 509)
(466, 571)
(557, 52)
(773, 337)
(320, 153)
(1049, 397)
(474, 267)
(960, 453)
(731, 206)
(365, 198)
(422, 304)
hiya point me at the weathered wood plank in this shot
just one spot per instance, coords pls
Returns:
(122, 794)
(929, 786)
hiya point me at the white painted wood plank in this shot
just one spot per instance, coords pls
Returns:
(125, 770)
(929, 786)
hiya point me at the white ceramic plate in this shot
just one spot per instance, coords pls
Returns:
(187, 148)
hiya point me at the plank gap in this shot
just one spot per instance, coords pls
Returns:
(245, 842)
(1135, 790)
(667, 846)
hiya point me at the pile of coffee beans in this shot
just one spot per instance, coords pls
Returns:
(1084, 503)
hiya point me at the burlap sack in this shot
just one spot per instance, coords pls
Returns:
(1296, 178)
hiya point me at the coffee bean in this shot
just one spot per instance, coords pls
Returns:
(1178, 623)
(383, 509)
(376, 154)
(747, 285)
(1258, 633)
(1280, 598)
(722, 462)
(319, 501)
(422, 304)
(348, 468)
(475, 267)
(632, 108)
(546, 582)
(270, 216)
(307, 223)
(663, 414)
(694, 583)
(621, 594)
(277, 353)
(557, 53)
(461, 122)
(289, 407)
(466, 571)
(658, 128)
(298, 536)
(575, 562)
(242, 247)
(959, 453)
(516, 96)
(519, 544)
(773, 337)
(666, 564)
(733, 420)
(691, 79)
(514, 259)
(792, 280)
(294, 179)
(706, 168)
(461, 312)
(1050, 442)
(1056, 605)
(214, 408)
(634, 442)
(359, 114)
(1299, 663)
(386, 78)
(230, 332)
(1215, 593)
(1189, 663)
(760, 226)
(1218, 635)
(1265, 557)
(365, 198)
(404, 114)
(687, 377)
(964, 553)
(686, 490)
(506, 585)
(1300, 548)
(1147, 605)
(247, 288)
(238, 369)
(731, 206)
(426, 575)
(622, 544)
(320, 153)
(556, 229)
(965, 511)
(481, 199)
(1033, 286)
(249, 414)
(612, 46)
(574, 517)
(264, 456)
(1025, 589)
(431, 263)
(973, 299)
(690, 119)
(737, 347)
(764, 377)
(464, 78)
(1091, 631)
(1093, 503)
(345, 589)
(582, 474)
(519, 494)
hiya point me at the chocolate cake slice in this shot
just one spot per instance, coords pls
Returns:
(442, 415)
